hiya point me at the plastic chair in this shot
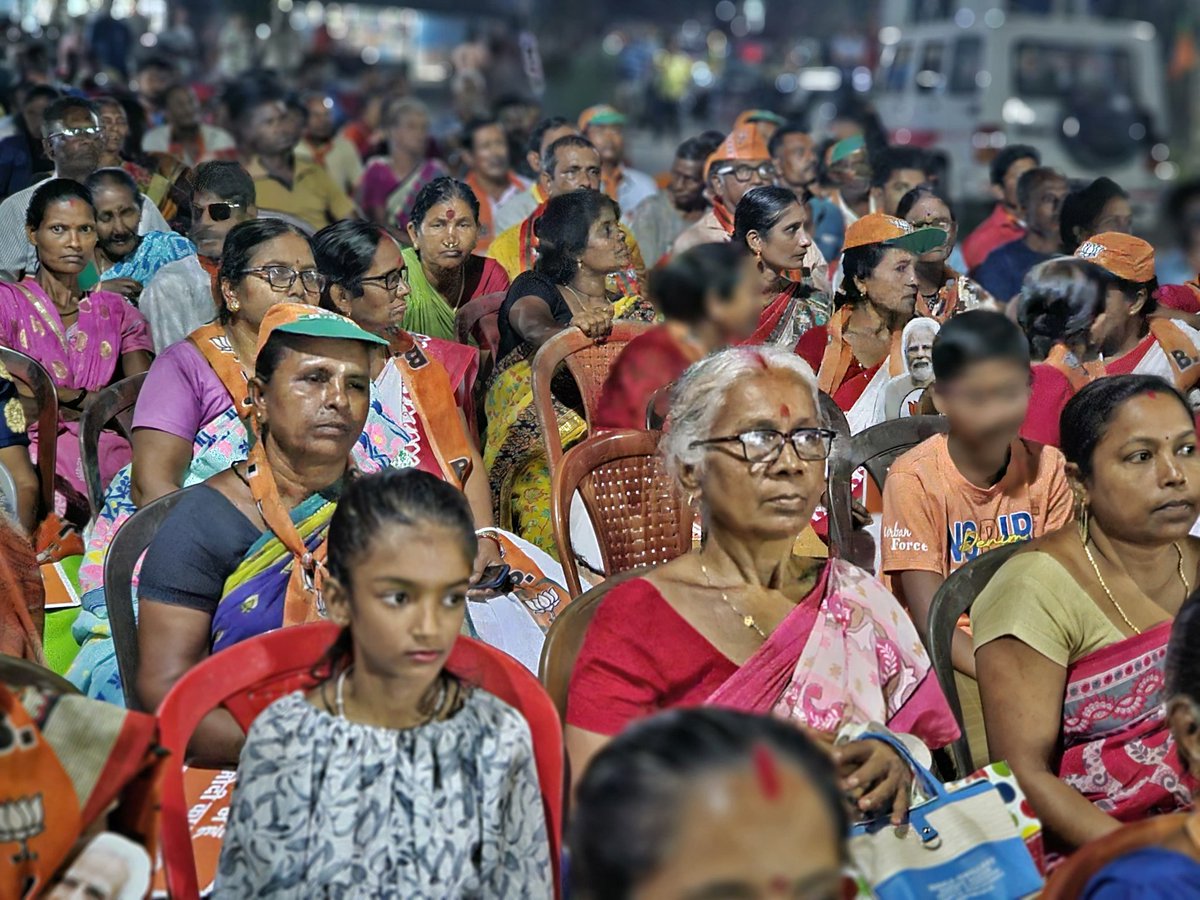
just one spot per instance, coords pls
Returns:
(113, 402)
(1068, 880)
(588, 361)
(951, 601)
(247, 677)
(16, 672)
(479, 319)
(130, 541)
(875, 450)
(639, 516)
(33, 375)
(564, 640)
(296, 222)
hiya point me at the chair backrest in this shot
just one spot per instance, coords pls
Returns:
(479, 318)
(833, 416)
(952, 600)
(127, 546)
(564, 640)
(588, 361)
(113, 402)
(33, 375)
(874, 449)
(639, 516)
(1068, 880)
(246, 678)
(16, 672)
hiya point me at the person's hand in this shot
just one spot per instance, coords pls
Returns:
(126, 287)
(595, 321)
(487, 555)
(875, 777)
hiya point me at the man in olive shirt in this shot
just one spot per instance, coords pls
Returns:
(282, 183)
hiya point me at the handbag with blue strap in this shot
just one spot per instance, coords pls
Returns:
(961, 844)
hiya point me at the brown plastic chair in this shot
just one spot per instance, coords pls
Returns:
(479, 320)
(952, 599)
(1069, 879)
(564, 640)
(33, 375)
(127, 547)
(875, 450)
(113, 402)
(588, 361)
(639, 516)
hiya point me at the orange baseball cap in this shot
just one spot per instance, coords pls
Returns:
(601, 114)
(743, 144)
(1124, 255)
(878, 228)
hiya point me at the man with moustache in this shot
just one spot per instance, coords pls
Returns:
(604, 126)
(516, 209)
(157, 272)
(320, 143)
(794, 153)
(490, 178)
(660, 219)
(222, 197)
(74, 141)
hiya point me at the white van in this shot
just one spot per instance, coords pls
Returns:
(967, 78)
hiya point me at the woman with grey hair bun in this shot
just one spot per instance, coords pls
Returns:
(745, 624)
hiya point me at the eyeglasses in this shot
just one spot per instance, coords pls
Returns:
(220, 212)
(764, 445)
(90, 131)
(389, 281)
(744, 173)
(281, 278)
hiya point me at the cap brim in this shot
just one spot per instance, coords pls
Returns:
(606, 119)
(320, 327)
(920, 241)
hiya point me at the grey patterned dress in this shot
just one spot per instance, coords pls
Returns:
(325, 807)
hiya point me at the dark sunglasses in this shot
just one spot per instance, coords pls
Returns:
(220, 212)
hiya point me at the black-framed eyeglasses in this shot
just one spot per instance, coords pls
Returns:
(87, 131)
(281, 278)
(743, 173)
(763, 445)
(389, 281)
(220, 212)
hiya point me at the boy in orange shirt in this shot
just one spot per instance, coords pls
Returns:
(979, 487)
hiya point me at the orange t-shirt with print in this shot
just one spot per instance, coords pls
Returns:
(934, 520)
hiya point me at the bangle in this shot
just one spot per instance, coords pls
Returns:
(491, 535)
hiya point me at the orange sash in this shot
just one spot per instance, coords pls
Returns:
(544, 598)
(1077, 375)
(429, 386)
(215, 347)
(1181, 353)
(487, 229)
(836, 361)
(303, 602)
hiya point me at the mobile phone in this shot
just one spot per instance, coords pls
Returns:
(494, 577)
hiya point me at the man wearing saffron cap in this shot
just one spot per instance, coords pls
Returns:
(740, 164)
(605, 127)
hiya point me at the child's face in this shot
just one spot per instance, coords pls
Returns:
(987, 402)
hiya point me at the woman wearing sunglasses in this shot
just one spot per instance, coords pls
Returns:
(745, 624)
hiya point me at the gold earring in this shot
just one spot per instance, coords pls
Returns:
(233, 305)
(1081, 519)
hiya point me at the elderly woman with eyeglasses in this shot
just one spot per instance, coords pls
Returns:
(744, 623)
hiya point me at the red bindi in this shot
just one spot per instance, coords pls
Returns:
(767, 771)
(1152, 394)
(785, 410)
(450, 213)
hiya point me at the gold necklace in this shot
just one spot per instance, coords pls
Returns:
(1187, 587)
(747, 619)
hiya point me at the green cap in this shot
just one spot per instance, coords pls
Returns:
(842, 149)
(311, 321)
(601, 114)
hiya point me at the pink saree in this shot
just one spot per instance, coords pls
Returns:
(1117, 749)
(82, 357)
(852, 657)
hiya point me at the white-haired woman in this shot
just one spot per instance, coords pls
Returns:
(742, 623)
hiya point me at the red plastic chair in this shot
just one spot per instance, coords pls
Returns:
(247, 677)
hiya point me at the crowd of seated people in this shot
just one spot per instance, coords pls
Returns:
(331, 336)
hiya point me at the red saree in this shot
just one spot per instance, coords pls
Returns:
(1117, 749)
(649, 362)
